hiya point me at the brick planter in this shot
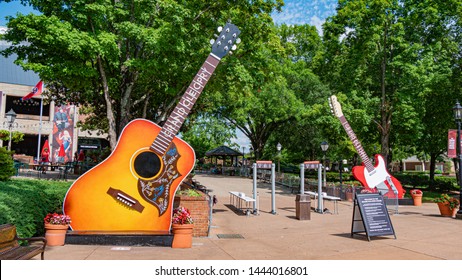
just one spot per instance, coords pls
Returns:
(200, 211)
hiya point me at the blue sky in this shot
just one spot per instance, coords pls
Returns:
(313, 12)
(10, 9)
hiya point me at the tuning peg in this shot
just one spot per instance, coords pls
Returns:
(219, 28)
(212, 41)
(230, 52)
(238, 40)
(233, 47)
(227, 30)
(226, 48)
(216, 36)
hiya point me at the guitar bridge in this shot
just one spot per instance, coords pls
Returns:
(125, 199)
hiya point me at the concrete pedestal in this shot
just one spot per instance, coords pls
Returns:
(303, 207)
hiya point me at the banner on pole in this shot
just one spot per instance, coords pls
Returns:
(452, 138)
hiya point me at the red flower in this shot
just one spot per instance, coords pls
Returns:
(182, 216)
(57, 219)
(416, 191)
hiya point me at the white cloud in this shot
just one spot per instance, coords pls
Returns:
(312, 12)
(317, 22)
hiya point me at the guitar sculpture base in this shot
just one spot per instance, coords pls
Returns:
(401, 201)
(120, 238)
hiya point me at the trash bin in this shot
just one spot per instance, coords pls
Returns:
(303, 207)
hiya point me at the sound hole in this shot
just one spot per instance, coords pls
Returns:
(147, 164)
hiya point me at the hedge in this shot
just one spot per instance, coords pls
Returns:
(25, 202)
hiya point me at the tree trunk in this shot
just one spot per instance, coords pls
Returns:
(110, 114)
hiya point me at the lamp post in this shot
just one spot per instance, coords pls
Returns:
(279, 147)
(10, 118)
(243, 161)
(457, 109)
(250, 155)
(324, 147)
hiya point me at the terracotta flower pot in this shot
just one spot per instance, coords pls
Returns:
(182, 235)
(446, 211)
(417, 199)
(55, 234)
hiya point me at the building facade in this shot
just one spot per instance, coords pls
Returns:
(40, 121)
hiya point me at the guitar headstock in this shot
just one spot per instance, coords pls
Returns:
(225, 41)
(335, 106)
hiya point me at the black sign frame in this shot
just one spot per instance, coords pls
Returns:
(370, 216)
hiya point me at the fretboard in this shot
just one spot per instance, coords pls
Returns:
(184, 106)
(359, 148)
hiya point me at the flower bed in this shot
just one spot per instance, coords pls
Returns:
(200, 211)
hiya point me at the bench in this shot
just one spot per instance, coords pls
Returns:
(238, 199)
(10, 249)
(335, 199)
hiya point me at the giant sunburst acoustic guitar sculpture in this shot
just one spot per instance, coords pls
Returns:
(133, 189)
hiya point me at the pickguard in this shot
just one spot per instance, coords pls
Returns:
(157, 191)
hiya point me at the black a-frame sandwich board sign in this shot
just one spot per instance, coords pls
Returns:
(370, 215)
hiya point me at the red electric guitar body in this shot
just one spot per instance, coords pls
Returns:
(133, 189)
(367, 174)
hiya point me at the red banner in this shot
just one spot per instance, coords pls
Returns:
(452, 138)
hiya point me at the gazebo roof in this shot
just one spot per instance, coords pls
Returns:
(223, 151)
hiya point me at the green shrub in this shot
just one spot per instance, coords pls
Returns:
(444, 184)
(6, 164)
(413, 179)
(189, 192)
(25, 203)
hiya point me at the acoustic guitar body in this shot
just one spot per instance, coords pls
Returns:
(134, 188)
(122, 193)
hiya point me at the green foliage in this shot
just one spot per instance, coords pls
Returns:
(189, 192)
(16, 136)
(206, 133)
(25, 203)
(440, 183)
(446, 199)
(6, 164)
(444, 183)
(127, 59)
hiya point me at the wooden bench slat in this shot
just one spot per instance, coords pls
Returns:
(21, 253)
(10, 248)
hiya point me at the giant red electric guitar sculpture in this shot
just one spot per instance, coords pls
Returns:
(369, 175)
(133, 189)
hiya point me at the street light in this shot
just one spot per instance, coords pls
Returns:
(279, 147)
(324, 147)
(10, 118)
(457, 109)
(243, 161)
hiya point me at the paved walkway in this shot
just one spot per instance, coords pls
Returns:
(422, 234)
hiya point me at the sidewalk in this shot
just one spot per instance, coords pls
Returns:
(422, 234)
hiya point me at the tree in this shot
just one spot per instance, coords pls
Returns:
(262, 105)
(125, 59)
(208, 133)
(370, 60)
(436, 26)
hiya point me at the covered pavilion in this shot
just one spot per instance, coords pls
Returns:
(228, 156)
